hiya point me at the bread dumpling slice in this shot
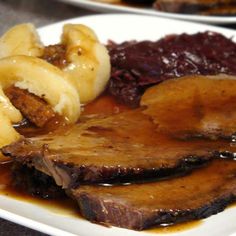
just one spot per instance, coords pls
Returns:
(21, 39)
(88, 61)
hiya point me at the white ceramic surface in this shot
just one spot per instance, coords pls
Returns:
(106, 7)
(118, 28)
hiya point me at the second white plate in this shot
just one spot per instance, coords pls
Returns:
(106, 7)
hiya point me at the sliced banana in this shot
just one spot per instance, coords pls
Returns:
(43, 80)
(89, 63)
(21, 40)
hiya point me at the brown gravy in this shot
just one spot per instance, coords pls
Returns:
(66, 206)
(61, 206)
(105, 105)
(232, 205)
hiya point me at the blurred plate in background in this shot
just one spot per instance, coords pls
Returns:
(107, 7)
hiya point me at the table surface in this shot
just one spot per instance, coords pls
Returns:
(39, 13)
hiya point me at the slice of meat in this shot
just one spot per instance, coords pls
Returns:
(204, 192)
(139, 65)
(122, 147)
(205, 105)
(34, 182)
(34, 108)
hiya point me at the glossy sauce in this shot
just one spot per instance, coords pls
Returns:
(179, 227)
(198, 112)
(63, 206)
(66, 206)
(104, 106)
(170, 57)
(175, 228)
(232, 205)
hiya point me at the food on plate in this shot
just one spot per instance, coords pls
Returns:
(32, 107)
(41, 79)
(134, 165)
(140, 205)
(126, 151)
(228, 10)
(198, 7)
(204, 192)
(89, 63)
(21, 39)
(139, 65)
(205, 106)
(212, 7)
(122, 147)
(138, 3)
(26, 74)
(35, 183)
(56, 55)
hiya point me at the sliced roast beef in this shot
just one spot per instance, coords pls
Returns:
(138, 65)
(116, 148)
(204, 192)
(34, 182)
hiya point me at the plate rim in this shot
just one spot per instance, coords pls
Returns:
(32, 224)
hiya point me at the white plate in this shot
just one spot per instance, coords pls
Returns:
(106, 7)
(118, 28)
